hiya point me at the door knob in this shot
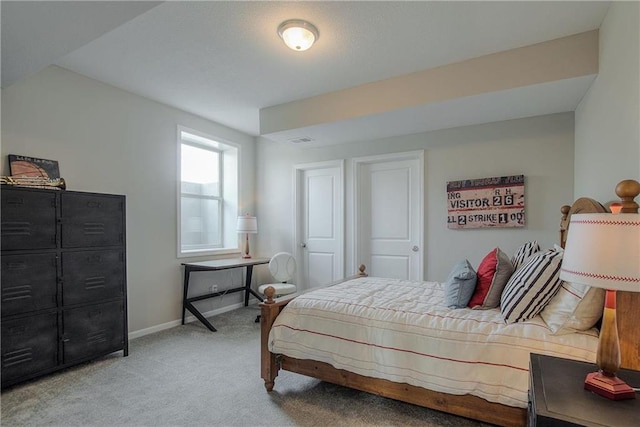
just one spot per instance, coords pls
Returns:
(303, 245)
(415, 249)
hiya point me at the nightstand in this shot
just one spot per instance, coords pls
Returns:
(557, 396)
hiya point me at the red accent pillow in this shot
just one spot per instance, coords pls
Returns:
(486, 271)
(493, 274)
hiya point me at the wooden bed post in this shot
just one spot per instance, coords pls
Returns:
(564, 224)
(269, 310)
(628, 190)
(361, 270)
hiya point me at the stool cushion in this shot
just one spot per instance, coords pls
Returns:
(281, 288)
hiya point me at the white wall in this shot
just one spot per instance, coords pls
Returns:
(607, 133)
(541, 148)
(108, 140)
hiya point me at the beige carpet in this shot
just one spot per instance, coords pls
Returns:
(190, 376)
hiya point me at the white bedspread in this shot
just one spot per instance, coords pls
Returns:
(400, 331)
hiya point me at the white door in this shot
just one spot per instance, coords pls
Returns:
(319, 223)
(388, 215)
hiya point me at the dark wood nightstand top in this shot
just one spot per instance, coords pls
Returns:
(559, 397)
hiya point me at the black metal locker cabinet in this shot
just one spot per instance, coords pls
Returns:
(63, 280)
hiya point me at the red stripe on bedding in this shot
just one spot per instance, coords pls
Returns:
(572, 293)
(399, 349)
(492, 333)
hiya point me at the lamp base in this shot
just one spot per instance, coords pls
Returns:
(246, 254)
(610, 387)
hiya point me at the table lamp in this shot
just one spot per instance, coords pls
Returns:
(248, 225)
(603, 250)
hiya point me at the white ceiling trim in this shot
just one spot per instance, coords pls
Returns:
(535, 100)
(559, 59)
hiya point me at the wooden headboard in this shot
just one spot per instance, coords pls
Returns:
(628, 303)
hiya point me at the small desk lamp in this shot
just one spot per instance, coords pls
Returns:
(603, 250)
(248, 225)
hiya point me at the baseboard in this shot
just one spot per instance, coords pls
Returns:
(168, 325)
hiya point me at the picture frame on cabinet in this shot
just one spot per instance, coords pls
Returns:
(24, 166)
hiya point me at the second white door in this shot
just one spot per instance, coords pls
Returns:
(388, 221)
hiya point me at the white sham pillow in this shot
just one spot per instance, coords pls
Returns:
(574, 308)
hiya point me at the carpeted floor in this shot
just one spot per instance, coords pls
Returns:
(190, 376)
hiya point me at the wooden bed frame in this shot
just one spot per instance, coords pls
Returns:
(464, 405)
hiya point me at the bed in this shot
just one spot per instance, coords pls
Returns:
(389, 341)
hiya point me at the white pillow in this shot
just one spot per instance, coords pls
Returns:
(574, 308)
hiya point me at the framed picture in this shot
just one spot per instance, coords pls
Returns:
(23, 166)
(486, 202)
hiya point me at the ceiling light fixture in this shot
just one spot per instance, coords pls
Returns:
(297, 34)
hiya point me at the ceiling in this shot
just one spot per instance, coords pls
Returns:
(224, 61)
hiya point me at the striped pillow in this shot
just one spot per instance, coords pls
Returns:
(531, 287)
(524, 252)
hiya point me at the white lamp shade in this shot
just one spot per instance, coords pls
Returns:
(247, 224)
(603, 250)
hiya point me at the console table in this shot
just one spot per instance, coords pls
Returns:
(219, 264)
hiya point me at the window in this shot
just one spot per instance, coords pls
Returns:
(201, 197)
(207, 195)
